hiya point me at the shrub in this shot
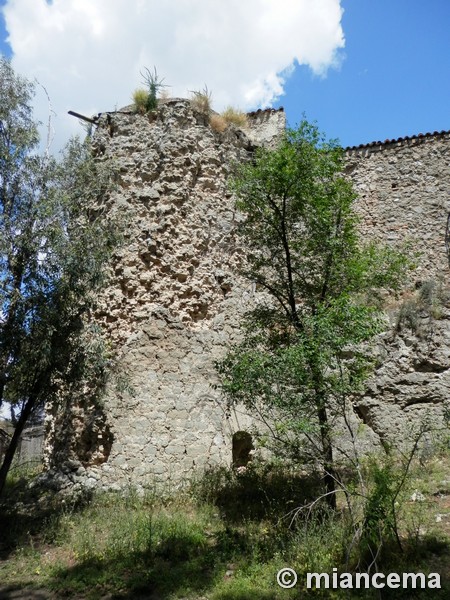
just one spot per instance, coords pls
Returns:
(232, 116)
(202, 100)
(155, 85)
(416, 311)
(146, 100)
(218, 123)
(140, 99)
(380, 526)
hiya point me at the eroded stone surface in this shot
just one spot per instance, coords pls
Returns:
(175, 300)
(404, 196)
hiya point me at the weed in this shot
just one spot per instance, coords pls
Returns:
(229, 116)
(428, 303)
(233, 116)
(201, 101)
(140, 99)
(146, 100)
(380, 521)
(217, 123)
(225, 539)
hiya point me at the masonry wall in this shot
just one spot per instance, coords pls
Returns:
(403, 189)
(30, 448)
(175, 300)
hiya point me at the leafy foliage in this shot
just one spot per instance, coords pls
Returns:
(302, 249)
(53, 246)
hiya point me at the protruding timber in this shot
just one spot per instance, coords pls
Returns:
(82, 117)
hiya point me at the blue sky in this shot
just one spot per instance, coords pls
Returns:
(392, 78)
(4, 47)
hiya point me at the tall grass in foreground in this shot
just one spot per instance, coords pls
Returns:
(225, 539)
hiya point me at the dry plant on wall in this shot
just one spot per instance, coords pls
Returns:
(419, 309)
(202, 101)
(218, 123)
(230, 116)
(233, 116)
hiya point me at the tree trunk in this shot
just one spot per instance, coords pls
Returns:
(329, 471)
(329, 476)
(12, 447)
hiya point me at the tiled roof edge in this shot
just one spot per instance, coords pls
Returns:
(374, 146)
(261, 111)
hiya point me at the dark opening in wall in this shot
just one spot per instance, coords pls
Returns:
(242, 448)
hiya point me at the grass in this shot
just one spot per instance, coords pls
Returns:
(140, 100)
(201, 101)
(225, 539)
(218, 123)
(233, 116)
(230, 116)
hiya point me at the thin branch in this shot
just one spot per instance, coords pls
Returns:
(50, 128)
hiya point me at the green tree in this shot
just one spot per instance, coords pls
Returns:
(302, 249)
(53, 246)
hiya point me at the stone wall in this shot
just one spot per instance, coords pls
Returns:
(175, 301)
(266, 126)
(403, 189)
(30, 449)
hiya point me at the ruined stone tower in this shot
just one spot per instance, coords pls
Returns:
(175, 301)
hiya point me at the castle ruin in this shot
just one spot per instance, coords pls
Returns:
(175, 300)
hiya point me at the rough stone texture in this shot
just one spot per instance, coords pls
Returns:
(266, 127)
(175, 301)
(410, 386)
(404, 195)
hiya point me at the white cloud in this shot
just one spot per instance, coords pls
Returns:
(89, 53)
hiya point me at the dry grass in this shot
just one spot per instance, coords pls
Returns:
(233, 116)
(202, 100)
(230, 116)
(218, 123)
